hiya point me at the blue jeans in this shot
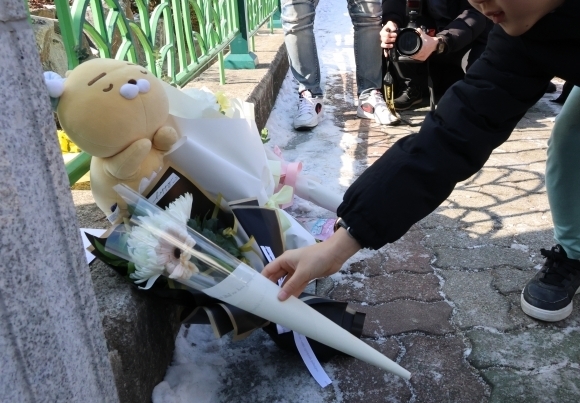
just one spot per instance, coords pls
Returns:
(563, 176)
(298, 24)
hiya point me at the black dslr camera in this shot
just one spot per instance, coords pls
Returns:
(408, 40)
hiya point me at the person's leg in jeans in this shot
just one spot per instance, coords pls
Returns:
(548, 296)
(366, 17)
(298, 24)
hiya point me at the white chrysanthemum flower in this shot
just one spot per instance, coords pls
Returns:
(141, 247)
(158, 244)
(180, 209)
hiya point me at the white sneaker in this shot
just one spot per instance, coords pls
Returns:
(372, 105)
(310, 111)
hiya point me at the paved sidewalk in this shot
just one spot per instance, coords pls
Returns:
(444, 300)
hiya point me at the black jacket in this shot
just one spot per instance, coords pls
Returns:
(456, 21)
(474, 116)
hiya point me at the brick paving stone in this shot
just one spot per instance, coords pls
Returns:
(480, 258)
(382, 289)
(535, 240)
(515, 314)
(509, 280)
(476, 302)
(550, 385)
(406, 316)
(359, 382)
(440, 372)
(527, 350)
(467, 238)
(530, 222)
(371, 266)
(440, 219)
(408, 254)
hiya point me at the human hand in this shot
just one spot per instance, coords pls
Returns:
(388, 36)
(300, 266)
(427, 48)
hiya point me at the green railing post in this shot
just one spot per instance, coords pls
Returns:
(77, 167)
(240, 56)
(277, 17)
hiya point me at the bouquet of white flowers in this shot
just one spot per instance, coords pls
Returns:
(160, 243)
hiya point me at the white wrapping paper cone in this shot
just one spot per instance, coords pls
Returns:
(309, 189)
(219, 163)
(249, 290)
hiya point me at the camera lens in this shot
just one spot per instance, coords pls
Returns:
(408, 42)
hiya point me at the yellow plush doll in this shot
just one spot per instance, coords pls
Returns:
(115, 111)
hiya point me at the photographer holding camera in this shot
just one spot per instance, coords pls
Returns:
(450, 29)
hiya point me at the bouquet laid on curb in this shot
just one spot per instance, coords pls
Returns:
(159, 243)
(252, 233)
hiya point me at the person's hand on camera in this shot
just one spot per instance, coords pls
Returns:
(388, 36)
(427, 48)
(300, 266)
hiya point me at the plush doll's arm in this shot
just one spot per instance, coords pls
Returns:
(165, 138)
(126, 164)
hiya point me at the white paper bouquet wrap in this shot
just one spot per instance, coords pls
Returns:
(223, 147)
(225, 156)
(161, 244)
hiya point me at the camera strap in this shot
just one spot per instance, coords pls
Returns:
(388, 82)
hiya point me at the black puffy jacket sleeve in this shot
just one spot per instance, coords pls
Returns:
(394, 10)
(474, 116)
(465, 29)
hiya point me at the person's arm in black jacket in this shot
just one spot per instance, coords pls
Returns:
(474, 116)
(463, 30)
(394, 10)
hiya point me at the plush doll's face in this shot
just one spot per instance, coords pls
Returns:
(108, 104)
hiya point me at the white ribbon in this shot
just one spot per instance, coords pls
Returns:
(304, 348)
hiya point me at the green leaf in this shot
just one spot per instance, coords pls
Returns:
(131, 268)
(208, 227)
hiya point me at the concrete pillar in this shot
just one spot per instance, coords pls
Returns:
(52, 347)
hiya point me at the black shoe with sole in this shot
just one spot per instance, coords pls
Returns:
(409, 97)
(548, 296)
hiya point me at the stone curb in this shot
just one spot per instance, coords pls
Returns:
(264, 95)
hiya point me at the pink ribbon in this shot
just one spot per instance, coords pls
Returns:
(289, 173)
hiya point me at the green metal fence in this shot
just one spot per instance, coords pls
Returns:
(174, 39)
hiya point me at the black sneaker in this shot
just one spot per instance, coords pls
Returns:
(410, 96)
(548, 296)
